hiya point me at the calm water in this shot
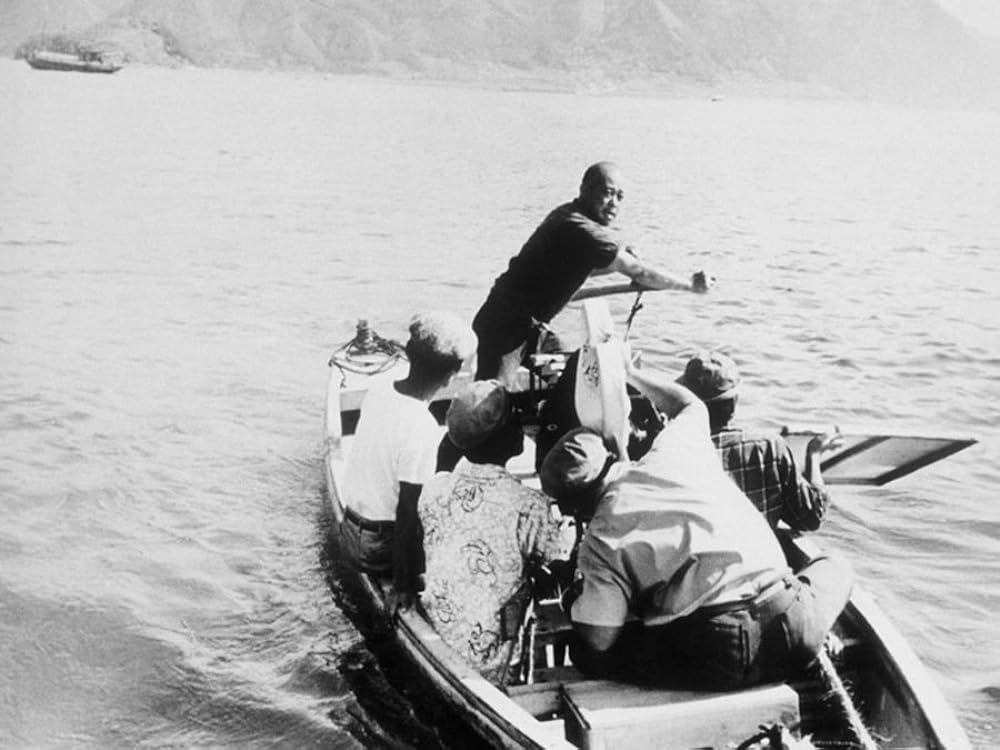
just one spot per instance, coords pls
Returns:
(181, 250)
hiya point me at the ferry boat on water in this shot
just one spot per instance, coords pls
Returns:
(84, 61)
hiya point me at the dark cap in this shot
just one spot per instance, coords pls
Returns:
(711, 376)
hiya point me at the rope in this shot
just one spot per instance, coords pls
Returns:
(773, 735)
(836, 685)
(358, 355)
(636, 307)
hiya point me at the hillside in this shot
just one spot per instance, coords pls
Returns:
(869, 47)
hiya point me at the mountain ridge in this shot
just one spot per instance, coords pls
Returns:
(908, 48)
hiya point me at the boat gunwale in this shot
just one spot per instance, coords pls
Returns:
(908, 675)
(916, 692)
(494, 712)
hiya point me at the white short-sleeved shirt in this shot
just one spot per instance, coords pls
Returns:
(672, 534)
(396, 441)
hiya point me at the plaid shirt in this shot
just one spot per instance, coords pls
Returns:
(763, 467)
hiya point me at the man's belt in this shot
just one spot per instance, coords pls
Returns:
(772, 600)
(365, 525)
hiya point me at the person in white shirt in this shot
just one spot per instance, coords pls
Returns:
(395, 449)
(676, 547)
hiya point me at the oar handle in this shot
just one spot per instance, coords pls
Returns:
(606, 289)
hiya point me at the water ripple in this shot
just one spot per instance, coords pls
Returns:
(166, 325)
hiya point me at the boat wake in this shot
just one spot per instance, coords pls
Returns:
(395, 708)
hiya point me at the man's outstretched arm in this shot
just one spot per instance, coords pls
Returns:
(648, 277)
(668, 397)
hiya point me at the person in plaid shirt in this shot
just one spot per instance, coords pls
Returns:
(761, 464)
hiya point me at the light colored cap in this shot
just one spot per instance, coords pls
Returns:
(711, 376)
(440, 336)
(479, 410)
(574, 463)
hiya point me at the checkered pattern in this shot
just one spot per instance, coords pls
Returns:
(764, 468)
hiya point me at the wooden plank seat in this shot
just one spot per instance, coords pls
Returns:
(608, 715)
(605, 714)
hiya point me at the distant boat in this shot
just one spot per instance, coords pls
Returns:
(84, 61)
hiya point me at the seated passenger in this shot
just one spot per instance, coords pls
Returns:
(675, 544)
(482, 530)
(393, 451)
(761, 464)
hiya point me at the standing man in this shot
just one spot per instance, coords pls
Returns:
(761, 464)
(574, 241)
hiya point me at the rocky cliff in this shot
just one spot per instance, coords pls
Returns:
(868, 47)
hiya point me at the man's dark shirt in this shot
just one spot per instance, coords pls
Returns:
(764, 468)
(555, 261)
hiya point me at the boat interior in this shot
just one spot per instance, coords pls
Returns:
(867, 692)
(870, 692)
(864, 695)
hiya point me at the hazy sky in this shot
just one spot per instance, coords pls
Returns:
(979, 14)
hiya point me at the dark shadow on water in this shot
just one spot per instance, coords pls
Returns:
(398, 706)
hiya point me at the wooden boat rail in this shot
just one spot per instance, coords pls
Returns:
(892, 690)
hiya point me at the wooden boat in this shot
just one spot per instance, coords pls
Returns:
(892, 702)
(84, 61)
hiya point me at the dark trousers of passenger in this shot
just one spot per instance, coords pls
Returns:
(367, 547)
(749, 646)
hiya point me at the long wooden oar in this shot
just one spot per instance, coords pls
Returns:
(609, 289)
(606, 289)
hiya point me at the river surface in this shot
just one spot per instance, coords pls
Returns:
(181, 250)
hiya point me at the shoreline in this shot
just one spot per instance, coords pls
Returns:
(646, 86)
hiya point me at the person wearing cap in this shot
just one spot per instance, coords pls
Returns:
(575, 240)
(394, 448)
(482, 530)
(673, 545)
(761, 464)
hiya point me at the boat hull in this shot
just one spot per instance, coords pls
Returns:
(67, 62)
(898, 699)
(481, 705)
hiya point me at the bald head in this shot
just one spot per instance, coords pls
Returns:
(597, 174)
(602, 191)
